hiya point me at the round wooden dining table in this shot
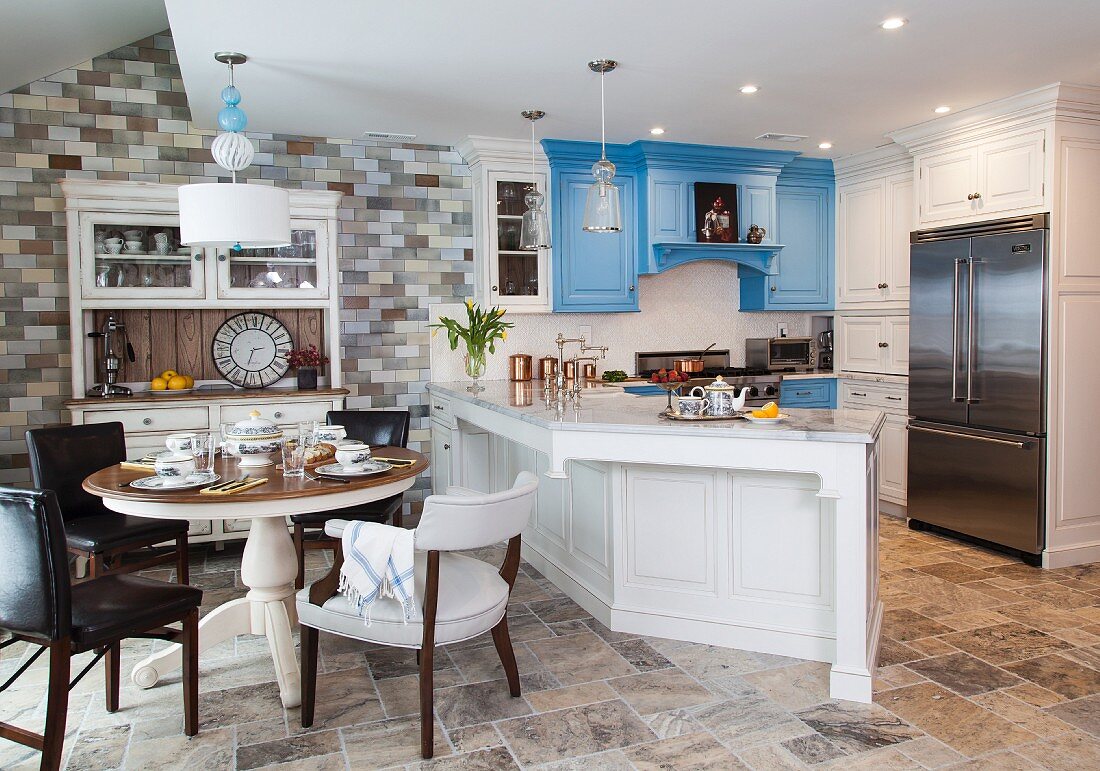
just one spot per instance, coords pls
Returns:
(269, 565)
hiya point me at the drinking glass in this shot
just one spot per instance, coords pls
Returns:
(307, 432)
(203, 447)
(294, 459)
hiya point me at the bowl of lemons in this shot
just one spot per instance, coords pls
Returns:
(769, 414)
(171, 382)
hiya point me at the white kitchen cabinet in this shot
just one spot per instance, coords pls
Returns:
(893, 459)
(874, 344)
(875, 217)
(983, 177)
(441, 457)
(505, 275)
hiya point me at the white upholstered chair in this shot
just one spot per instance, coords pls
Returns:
(462, 597)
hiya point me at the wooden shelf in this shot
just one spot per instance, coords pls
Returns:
(202, 396)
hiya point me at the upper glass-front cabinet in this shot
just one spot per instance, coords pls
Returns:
(127, 255)
(297, 270)
(517, 277)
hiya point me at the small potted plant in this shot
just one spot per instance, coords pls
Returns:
(306, 361)
(482, 330)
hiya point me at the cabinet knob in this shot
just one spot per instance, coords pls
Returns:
(446, 447)
(278, 414)
(494, 287)
(147, 422)
(631, 287)
(198, 256)
(977, 196)
(970, 197)
(773, 288)
(221, 258)
(883, 345)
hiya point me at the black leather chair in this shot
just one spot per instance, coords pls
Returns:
(40, 606)
(375, 427)
(61, 459)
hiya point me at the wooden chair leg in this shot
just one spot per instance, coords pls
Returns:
(190, 643)
(427, 651)
(183, 574)
(503, 644)
(95, 565)
(57, 704)
(398, 518)
(112, 663)
(300, 551)
(309, 674)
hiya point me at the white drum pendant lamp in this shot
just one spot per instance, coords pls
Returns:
(602, 213)
(235, 214)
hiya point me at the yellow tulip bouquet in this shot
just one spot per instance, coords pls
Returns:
(482, 330)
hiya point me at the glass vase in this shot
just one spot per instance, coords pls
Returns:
(475, 368)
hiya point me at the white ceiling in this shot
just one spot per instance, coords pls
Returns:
(444, 69)
(41, 37)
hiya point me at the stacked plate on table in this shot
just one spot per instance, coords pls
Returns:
(189, 482)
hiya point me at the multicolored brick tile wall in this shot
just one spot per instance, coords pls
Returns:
(405, 227)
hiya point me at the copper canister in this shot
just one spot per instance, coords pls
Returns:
(589, 370)
(548, 367)
(523, 395)
(569, 369)
(519, 367)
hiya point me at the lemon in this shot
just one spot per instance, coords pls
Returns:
(190, 381)
(158, 384)
(759, 414)
(168, 374)
(177, 382)
(771, 410)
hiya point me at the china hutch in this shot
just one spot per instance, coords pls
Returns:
(126, 261)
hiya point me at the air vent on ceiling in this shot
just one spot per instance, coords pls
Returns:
(772, 136)
(388, 136)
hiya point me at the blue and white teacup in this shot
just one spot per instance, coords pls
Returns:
(692, 406)
(174, 468)
(353, 456)
(332, 434)
(181, 444)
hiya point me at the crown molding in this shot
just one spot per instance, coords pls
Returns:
(476, 150)
(87, 194)
(888, 159)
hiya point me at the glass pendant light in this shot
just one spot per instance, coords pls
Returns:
(236, 215)
(535, 228)
(602, 213)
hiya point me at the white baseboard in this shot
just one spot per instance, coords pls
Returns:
(1070, 556)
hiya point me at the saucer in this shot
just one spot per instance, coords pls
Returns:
(369, 468)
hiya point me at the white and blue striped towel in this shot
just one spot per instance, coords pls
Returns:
(378, 562)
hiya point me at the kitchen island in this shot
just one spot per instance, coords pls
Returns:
(728, 533)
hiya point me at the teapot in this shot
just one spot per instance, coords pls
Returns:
(756, 234)
(723, 398)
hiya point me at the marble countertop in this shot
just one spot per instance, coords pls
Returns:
(612, 410)
(868, 377)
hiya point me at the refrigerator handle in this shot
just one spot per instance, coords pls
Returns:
(970, 334)
(1022, 445)
(955, 334)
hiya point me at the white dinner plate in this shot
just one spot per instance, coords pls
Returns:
(167, 392)
(765, 421)
(370, 467)
(192, 481)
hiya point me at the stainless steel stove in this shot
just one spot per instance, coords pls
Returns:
(763, 386)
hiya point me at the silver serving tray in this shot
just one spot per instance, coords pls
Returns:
(699, 418)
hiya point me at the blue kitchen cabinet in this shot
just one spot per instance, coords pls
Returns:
(593, 272)
(802, 274)
(814, 393)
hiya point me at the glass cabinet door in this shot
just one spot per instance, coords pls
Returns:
(297, 270)
(131, 256)
(518, 276)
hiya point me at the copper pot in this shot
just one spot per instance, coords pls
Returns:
(688, 366)
(519, 367)
(548, 367)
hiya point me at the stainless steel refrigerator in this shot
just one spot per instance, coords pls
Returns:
(977, 428)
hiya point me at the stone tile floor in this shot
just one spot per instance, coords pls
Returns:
(985, 664)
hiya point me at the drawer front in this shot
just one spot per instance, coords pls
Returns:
(808, 393)
(882, 396)
(280, 414)
(154, 420)
(441, 409)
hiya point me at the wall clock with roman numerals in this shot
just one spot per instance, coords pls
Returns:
(250, 349)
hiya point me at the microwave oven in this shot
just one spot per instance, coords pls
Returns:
(781, 354)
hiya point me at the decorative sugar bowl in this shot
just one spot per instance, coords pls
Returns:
(692, 406)
(254, 440)
(353, 456)
(723, 399)
(331, 434)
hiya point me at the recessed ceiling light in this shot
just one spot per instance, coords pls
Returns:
(895, 22)
(825, 146)
(749, 89)
(656, 131)
(942, 109)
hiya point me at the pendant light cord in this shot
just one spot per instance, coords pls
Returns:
(534, 186)
(603, 122)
